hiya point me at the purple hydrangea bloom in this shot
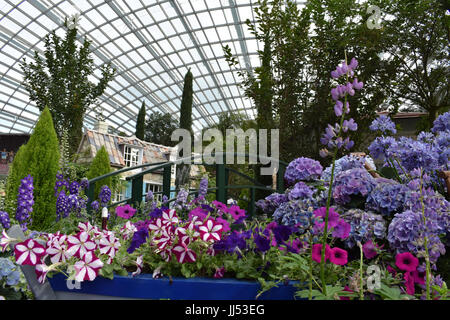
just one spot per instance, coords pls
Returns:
(387, 198)
(300, 190)
(271, 202)
(383, 124)
(4, 220)
(25, 201)
(302, 169)
(299, 213)
(350, 183)
(414, 154)
(381, 147)
(364, 226)
(442, 123)
(342, 164)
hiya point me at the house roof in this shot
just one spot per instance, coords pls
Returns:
(404, 115)
(151, 152)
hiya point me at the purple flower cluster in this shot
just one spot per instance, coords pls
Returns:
(203, 187)
(104, 195)
(299, 213)
(383, 124)
(300, 190)
(342, 164)
(4, 220)
(416, 154)
(387, 198)
(25, 201)
(381, 148)
(271, 202)
(365, 226)
(442, 123)
(62, 206)
(302, 169)
(353, 182)
(406, 234)
(332, 137)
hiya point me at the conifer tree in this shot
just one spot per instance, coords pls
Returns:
(100, 166)
(140, 123)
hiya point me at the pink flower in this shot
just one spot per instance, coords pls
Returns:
(109, 245)
(406, 262)
(28, 252)
(219, 273)
(409, 283)
(317, 252)
(5, 240)
(128, 230)
(347, 289)
(125, 211)
(57, 250)
(236, 212)
(391, 270)
(333, 217)
(210, 230)
(225, 224)
(158, 227)
(370, 249)
(221, 207)
(342, 229)
(80, 244)
(419, 277)
(338, 256)
(199, 213)
(87, 227)
(88, 267)
(41, 271)
(139, 265)
(183, 253)
(169, 217)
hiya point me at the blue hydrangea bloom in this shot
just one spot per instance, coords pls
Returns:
(383, 124)
(302, 169)
(387, 198)
(365, 226)
(442, 123)
(353, 182)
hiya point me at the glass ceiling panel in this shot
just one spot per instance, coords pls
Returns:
(150, 42)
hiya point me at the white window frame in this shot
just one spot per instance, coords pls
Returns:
(132, 156)
(155, 187)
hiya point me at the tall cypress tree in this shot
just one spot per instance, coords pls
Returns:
(41, 161)
(185, 123)
(140, 123)
(100, 166)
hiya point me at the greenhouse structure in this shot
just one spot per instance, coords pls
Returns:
(225, 150)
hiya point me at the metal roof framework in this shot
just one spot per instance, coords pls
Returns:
(151, 43)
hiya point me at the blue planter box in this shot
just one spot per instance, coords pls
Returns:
(145, 287)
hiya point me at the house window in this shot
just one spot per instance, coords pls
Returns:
(131, 156)
(154, 188)
(118, 195)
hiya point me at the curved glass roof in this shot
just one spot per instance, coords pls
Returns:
(151, 43)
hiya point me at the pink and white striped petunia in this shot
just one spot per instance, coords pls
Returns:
(169, 217)
(164, 241)
(109, 245)
(139, 264)
(87, 227)
(158, 228)
(41, 272)
(5, 240)
(183, 253)
(210, 230)
(80, 244)
(57, 251)
(28, 252)
(88, 267)
(128, 230)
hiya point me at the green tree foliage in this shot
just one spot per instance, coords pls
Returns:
(60, 79)
(159, 127)
(140, 123)
(15, 174)
(40, 159)
(182, 175)
(417, 39)
(100, 165)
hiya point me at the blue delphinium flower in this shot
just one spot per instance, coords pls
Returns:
(203, 187)
(104, 195)
(302, 169)
(381, 147)
(95, 205)
(62, 206)
(353, 182)
(25, 201)
(383, 124)
(4, 220)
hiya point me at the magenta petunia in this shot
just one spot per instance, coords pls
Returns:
(370, 249)
(219, 273)
(406, 262)
(29, 252)
(125, 211)
(409, 283)
(317, 252)
(333, 217)
(419, 277)
(342, 229)
(236, 212)
(338, 256)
